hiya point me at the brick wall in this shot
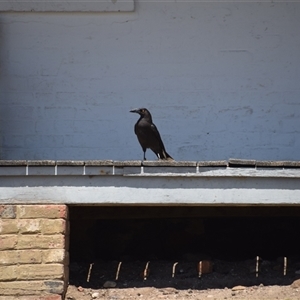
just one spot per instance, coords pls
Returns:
(212, 73)
(33, 252)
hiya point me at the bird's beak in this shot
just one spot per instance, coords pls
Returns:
(134, 111)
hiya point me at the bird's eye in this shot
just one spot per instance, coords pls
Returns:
(142, 110)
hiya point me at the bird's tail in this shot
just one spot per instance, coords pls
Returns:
(165, 155)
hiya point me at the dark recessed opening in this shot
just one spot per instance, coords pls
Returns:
(230, 238)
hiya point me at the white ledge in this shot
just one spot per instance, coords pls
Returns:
(150, 183)
(228, 172)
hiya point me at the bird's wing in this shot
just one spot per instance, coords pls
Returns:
(157, 135)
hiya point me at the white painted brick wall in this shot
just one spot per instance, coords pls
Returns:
(221, 80)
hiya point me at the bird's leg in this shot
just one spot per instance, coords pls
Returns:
(144, 155)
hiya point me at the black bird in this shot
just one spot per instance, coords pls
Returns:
(148, 134)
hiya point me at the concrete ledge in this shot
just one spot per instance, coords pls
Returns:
(168, 163)
(232, 167)
(236, 182)
(217, 163)
(70, 163)
(152, 189)
(13, 163)
(99, 163)
(41, 162)
(127, 163)
(278, 164)
(241, 162)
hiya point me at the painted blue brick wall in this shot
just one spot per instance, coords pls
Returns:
(221, 80)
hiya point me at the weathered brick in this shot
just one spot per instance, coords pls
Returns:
(53, 226)
(8, 273)
(67, 242)
(29, 226)
(7, 211)
(40, 272)
(67, 258)
(45, 226)
(8, 242)
(34, 241)
(68, 228)
(42, 211)
(12, 257)
(44, 297)
(55, 286)
(31, 287)
(66, 273)
(54, 256)
(8, 226)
